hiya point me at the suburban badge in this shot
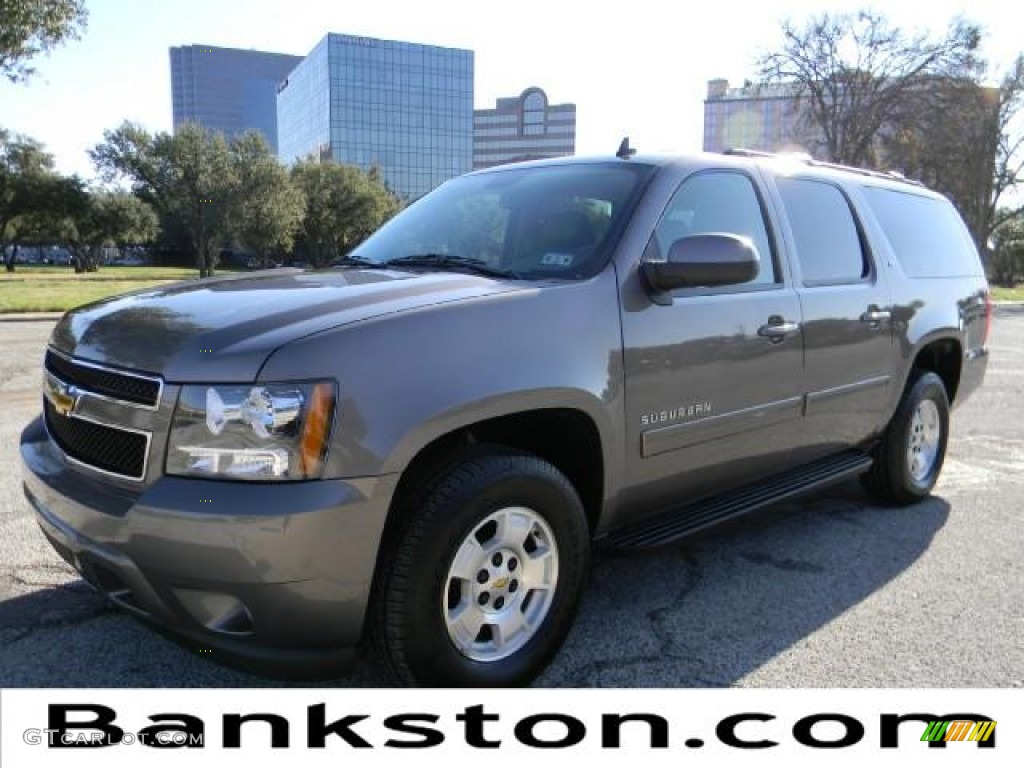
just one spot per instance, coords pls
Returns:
(680, 413)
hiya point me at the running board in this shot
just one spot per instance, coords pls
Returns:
(676, 523)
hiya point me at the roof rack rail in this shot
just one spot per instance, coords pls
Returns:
(808, 160)
(892, 175)
(802, 157)
(744, 152)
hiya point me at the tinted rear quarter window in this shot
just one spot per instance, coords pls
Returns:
(826, 239)
(927, 235)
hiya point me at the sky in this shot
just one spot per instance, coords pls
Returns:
(638, 68)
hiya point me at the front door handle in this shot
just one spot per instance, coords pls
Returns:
(777, 328)
(874, 316)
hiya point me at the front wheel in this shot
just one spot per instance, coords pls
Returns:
(481, 587)
(909, 457)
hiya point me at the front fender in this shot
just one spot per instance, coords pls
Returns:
(407, 379)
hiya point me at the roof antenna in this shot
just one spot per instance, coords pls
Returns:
(625, 151)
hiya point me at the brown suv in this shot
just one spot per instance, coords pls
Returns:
(421, 444)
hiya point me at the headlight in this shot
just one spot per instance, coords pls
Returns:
(254, 432)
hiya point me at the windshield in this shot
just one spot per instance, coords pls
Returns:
(549, 221)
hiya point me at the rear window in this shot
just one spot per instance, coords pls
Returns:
(926, 234)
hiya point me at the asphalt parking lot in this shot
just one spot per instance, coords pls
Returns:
(827, 591)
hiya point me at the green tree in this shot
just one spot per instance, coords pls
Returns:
(1007, 263)
(343, 206)
(266, 208)
(87, 220)
(188, 176)
(203, 190)
(41, 223)
(852, 73)
(25, 170)
(31, 27)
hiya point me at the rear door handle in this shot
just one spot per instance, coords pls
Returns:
(777, 328)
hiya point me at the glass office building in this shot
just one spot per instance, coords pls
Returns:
(228, 90)
(524, 127)
(405, 108)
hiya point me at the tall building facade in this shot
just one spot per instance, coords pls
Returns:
(523, 127)
(404, 108)
(227, 89)
(759, 117)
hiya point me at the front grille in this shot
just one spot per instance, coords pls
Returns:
(107, 448)
(103, 381)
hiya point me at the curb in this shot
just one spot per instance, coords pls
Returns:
(31, 317)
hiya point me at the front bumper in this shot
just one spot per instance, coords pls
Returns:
(276, 576)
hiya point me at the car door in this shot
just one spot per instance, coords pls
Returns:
(713, 376)
(849, 355)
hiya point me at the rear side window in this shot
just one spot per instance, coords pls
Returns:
(825, 235)
(926, 234)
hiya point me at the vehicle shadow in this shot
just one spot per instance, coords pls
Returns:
(69, 635)
(706, 612)
(711, 610)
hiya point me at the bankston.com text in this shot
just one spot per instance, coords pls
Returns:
(91, 726)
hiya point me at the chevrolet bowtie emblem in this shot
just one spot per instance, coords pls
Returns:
(63, 397)
(500, 583)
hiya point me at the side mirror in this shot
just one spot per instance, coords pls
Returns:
(704, 260)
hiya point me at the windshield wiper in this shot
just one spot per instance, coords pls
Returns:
(448, 261)
(357, 261)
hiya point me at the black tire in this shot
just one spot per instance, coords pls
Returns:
(408, 626)
(890, 479)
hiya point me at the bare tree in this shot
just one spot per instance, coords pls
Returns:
(945, 136)
(851, 74)
(965, 139)
(1009, 165)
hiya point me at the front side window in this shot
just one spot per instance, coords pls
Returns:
(825, 234)
(717, 203)
(549, 221)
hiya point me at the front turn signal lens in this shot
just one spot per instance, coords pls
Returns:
(316, 429)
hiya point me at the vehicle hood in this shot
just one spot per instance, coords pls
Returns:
(223, 329)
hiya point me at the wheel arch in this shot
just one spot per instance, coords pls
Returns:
(569, 438)
(942, 354)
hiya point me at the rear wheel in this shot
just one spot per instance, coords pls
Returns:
(482, 585)
(909, 457)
